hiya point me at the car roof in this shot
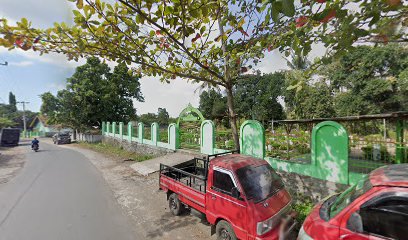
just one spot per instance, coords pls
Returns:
(236, 161)
(395, 175)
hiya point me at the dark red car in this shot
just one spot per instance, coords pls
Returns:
(374, 208)
(241, 197)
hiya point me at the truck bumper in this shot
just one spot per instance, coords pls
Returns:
(284, 231)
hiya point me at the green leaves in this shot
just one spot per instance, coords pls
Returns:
(288, 8)
(80, 4)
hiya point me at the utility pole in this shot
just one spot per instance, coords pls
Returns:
(24, 117)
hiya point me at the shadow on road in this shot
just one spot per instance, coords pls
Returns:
(169, 222)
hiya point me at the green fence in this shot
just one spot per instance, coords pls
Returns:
(328, 150)
(190, 135)
(224, 139)
(290, 144)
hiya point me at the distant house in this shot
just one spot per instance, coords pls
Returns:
(39, 124)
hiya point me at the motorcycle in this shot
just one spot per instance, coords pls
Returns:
(35, 147)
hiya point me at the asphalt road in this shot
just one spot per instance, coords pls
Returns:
(60, 195)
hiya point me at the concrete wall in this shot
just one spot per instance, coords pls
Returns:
(89, 138)
(300, 186)
(136, 147)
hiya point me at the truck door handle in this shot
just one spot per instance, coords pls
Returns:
(213, 196)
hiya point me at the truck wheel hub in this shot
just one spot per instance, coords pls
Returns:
(225, 234)
(173, 204)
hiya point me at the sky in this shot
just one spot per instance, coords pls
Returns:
(28, 75)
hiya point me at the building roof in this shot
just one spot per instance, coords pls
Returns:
(43, 119)
(395, 175)
(393, 115)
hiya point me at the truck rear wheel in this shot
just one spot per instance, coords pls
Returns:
(224, 231)
(176, 207)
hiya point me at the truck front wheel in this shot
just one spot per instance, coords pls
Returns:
(176, 207)
(224, 231)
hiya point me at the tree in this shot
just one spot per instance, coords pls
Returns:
(310, 100)
(256, 96)
(148, 118)
(162, 117)
(213, 104)
(93, 94)
(50, 106)
(369, 80)
(297, 62)
(12, 102)
(5, 122)
(207, 41)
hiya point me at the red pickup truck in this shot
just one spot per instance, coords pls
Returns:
(242, 197)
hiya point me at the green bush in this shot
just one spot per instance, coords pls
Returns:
(303, 209)
(385, 155)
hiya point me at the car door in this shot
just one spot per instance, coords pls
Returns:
(384, 216)
(221, 203)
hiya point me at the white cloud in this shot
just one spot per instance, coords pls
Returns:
(174, 96)
(21, 64)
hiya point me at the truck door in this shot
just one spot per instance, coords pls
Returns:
(220, 202)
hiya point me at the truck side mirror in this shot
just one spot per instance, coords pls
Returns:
(235, 193)
(355, 223)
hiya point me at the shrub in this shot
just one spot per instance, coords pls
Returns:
(303, 209)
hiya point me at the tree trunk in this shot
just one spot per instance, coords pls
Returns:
(227, 79)
(232, 116)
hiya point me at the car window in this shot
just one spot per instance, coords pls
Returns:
(349, 195)
(222, 182)
(387, 217)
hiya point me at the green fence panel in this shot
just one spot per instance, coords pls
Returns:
(121, 130)
(252, 139)
(154, 133)
(173, 136)
(130, 131)
(140, 134)
(114, 129)
(207, 144)
(108, 128)
(103, 128)
(400, 156)
(330, 151)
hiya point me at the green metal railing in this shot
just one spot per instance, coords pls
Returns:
(163, 135)
(224, 139)
(293, 145)
(190, 135)
(147, 133)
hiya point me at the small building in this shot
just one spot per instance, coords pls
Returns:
(40, 125)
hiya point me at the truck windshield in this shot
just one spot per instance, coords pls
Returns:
(259, 182)
(349, 195)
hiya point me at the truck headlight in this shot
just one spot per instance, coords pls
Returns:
(303, 235)
(264, 227)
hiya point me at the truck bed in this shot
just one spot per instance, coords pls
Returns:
(188, 180)
(192, 173)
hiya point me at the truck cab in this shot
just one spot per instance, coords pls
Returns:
(242, 197)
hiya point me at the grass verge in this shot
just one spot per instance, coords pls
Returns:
(115, 151)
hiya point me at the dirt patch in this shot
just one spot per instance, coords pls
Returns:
(141, 199)
(11, 161)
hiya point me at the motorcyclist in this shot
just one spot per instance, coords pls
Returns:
(35, 142)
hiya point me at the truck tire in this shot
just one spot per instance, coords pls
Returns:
(175, 205)
(224, 231)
